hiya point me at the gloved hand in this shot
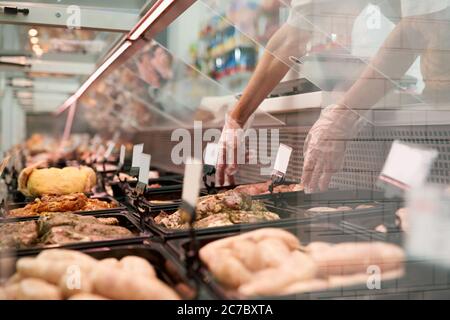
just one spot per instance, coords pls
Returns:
(229, 154)
(325, 146)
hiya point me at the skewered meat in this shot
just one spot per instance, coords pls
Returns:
(223, 209)
(64, 203)
(48, 276)
(60, 228)
(38, 182)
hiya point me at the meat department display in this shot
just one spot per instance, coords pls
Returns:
(37, 182)
(271, 262)
(60, 228)
(64, 203)
(223, 209)
(47, 277)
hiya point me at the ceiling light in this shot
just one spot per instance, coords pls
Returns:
(36, 47)
(149, 18)
(34, 40)
(32, 32)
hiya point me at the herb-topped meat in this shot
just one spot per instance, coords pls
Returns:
(60, 228)
(222, 209)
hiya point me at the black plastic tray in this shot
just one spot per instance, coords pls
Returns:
(166, 266)
(422, 279)
(370, 218)
(170, 189)
(167, 233)
(382, 213)
(125, 220)
(16, 205)
(300, 198)
(231, 187)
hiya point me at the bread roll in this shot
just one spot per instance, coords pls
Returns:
(137, 265)
(50, 270)
(63, 254)
(87, 296)
(247, 252)
(229, 271)
(272, 281)
(37, 289)
(72, 284)
(351, 258)
(37, 182)
(274, 252)
(10, 292)
(305, 286)
(121, 285)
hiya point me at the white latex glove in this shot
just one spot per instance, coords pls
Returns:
(227, 163)
(232, 150)
(325, 146)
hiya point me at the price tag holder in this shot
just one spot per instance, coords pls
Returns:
(109, 149)
(210, 157)
(191, 188)
(211, 154)
(122, 156)
(406, 167)
(144, 169)
(282, 160)
(137, 150)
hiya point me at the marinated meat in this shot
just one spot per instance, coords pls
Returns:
(67, 227)
(18, 234)
(223, 209)
(64, 203)
(60, 228)
(95, 204)
(230, 200)
(84, 232)
(237, 217)
(263, 188)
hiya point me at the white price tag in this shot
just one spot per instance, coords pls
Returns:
(137, 150)
(407, 166)
(100, 152)
(122, 156)
(282, 159)
(211, 154)
(109, 150)
(192, 180)
(144, 167)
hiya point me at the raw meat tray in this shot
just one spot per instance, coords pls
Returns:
(421, 278)
(126, 220)
(16, 205)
